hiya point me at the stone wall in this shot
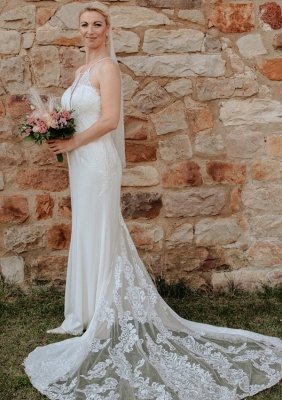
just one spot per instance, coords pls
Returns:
(202, 194)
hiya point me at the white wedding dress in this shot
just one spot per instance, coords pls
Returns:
(135, 346)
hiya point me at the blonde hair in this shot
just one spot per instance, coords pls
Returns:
(100, 8)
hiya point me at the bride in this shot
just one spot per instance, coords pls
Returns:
(133, 346)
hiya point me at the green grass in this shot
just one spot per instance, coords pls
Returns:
(24, 319)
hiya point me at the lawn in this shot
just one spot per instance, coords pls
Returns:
(24, 319)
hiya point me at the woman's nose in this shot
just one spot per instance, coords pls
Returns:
(90, 29)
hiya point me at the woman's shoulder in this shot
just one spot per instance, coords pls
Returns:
(106, 67)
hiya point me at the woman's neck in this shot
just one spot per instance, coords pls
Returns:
(95, 55)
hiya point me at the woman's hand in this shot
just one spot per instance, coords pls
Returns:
(58, 146)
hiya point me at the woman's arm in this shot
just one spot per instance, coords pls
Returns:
(110, 89)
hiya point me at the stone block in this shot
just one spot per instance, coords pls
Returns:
(251, 46)
(184, 174)
(270, 13)
(277, 42)
(177, 147)
(274, 145)
(146, 236)
(141, 205)
(2, 183)
(266, 170)
(71, 60)
(10, 42)
(232, 17)
(235, 200)
(28, 39)
(199, 115)
(133, 17)
(53, 35)
(2, 109)
(46, 65)
(24, 238)
(50, 179)
(249, 279)
(170, 119)
(244, 143)
(178, 66)
(15, 74)
(13, 208)
(126, 42)
(22, 18)
(44, 206)
(12, 269)
(41, 155)
(135, 128)
(180, 87)
(43, 15)
(266, 226)
(140, 176)
(129, 86)
(152, 96)
(214, 88)
(220, 171)
(64, 207)
(195, 16)
(272, 68)
(211, 45)
(12, 154)
(136, 152)
(185, 4)
(50, 268)
(263, 199)
(210, 232)
(194, 202)
(251, 111)
(180, 262)
(208, 144)
(158, 41)
(59, 236)
(6, 128)
(17, 106)
(265, 254)
(179, 235)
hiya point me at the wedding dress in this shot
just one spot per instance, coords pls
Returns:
(135, 346)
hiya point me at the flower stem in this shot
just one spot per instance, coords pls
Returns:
(59, 158)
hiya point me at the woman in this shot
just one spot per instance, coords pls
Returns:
(134, 346)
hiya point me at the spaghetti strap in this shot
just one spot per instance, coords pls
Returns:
(96, 62)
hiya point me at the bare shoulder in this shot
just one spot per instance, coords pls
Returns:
(109, 67)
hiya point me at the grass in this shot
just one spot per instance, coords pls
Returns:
(24, 319)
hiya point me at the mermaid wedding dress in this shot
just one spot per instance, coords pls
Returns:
(135, 346)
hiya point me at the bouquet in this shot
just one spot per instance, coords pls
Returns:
(47, 121)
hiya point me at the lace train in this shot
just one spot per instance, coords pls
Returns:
(136, 347)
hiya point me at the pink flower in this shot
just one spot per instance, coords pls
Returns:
(43, 129)
(55, 115)
(66, 115)
(35, 128)
(63, 121)
(28, 130)
(30, 120)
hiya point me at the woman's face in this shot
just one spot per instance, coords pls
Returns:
(93, 29)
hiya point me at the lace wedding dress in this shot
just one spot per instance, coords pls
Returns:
(135, 345)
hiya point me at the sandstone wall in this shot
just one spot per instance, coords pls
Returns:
(202, 192)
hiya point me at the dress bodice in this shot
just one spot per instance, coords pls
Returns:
(84, 99)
